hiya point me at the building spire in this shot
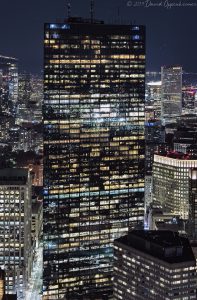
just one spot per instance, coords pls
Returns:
(92, 6)
(119, 21)
(68, 9)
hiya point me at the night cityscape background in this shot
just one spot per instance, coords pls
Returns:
(98, 150)
(170, 32)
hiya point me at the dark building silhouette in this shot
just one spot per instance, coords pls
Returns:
(154, 265)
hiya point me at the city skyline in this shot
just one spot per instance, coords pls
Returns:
(168, 38)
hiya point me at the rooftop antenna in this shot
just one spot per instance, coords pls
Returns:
(119, 21)
(69, 9)
(92, 5)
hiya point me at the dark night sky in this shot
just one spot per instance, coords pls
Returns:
(171, 34)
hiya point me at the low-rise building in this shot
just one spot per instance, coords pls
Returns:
(15, 228)
(154, 265)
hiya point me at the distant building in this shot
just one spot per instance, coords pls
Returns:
(24, 88)
(171, 91)
(2, 284)
(154, 138)
(8, 84)
(148, 192)
(170, 185)
(10, 297)
(185, 135)
(153, 99)
(25, 138)
(15, 228)
(30, 98)
(6, 123)
(154, 265)
(24, 93)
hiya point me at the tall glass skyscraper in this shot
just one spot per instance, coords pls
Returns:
(8, 84)
(94, 87)
(171, 90)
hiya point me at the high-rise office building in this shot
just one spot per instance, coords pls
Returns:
(6, 123)
(94, 86)
(8, 84)
(171, 93)
(30, 98)
(170, 185)
(24, 88)
(155, 139)
(15, 228)
(154, 265)
(189, 98)
(153, 99)
(193, 204)
(185, 135)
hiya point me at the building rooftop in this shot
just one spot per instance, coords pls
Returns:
(80, 20)
(16, 176)
(165, 245)
(90, 26)
(176, 155)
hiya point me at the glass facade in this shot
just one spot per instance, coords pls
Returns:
(171, 90)
(15, 229)
(171, 183)
(8, 84)
(94, 86)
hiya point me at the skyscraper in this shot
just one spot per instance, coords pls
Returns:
(24, 88)
(8, 84)
(185, 135)
(30, 98)
(153, 99)
(154, 138)
(171, 93)
(15, 228)
(94, 86)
